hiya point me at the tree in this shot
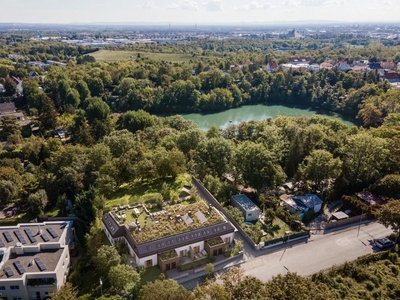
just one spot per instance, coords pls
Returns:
(10, 86)
(10, 128)
(7, 191)
(83, 90)
(106, 257)
(168, 289)
(259, 167)
(389, 216)
(318, 167)
(66, 292)
(388, 186)
(209, 269)
(47, 112)
(96, 86)
(135, 120)
(295, 287)
(170, 163)
(84, 208)
(38, 201)
(120, 276)
(97, 109)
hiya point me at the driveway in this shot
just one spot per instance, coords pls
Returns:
(321, 252)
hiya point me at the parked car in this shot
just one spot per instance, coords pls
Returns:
(383, 243)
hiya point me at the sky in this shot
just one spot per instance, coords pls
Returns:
(197, 11)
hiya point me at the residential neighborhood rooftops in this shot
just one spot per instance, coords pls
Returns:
(245, 202)
(7, 107)
(309, 200)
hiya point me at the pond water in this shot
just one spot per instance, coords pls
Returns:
(252, 112)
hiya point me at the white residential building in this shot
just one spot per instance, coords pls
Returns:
(34, 258)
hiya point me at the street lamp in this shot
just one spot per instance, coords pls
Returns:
(101, 287)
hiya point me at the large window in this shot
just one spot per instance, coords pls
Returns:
(14, 287)
(2, 288)
(41, 281)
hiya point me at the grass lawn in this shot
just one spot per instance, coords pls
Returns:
(151, 274)
(277, 230)
(24, 217)
(115, 55)
(134, 192)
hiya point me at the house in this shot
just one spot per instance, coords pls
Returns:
(374, 66)
(300, 60)
(271, 66)
(35, 259)
(359, 69)
(9, 109)
(171, 236)
(250, 211)
(18, 82)
(314, 67)
(391, 76)
(343, 66)
(294, 34)
(299, 67)
(302, 204)
(33, 74)
(387, 65)
(326, 66)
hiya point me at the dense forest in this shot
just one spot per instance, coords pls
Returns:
(108, 111)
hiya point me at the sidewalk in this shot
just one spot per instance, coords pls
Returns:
(221, 263)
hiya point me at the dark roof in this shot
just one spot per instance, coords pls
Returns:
(392, 75)
(182, 239)
(273, 64)
(7, 107)
(43, 237)
(112, 225)
(374, 65)
(49, 258)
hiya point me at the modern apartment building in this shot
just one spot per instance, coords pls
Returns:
(165, 238)
(34, 259)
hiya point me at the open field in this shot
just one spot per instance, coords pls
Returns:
(111, 55)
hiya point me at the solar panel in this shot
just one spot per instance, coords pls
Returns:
(19, 236)
(52, 232)
(45, 237)
(9, 272)
(19, 267)
(40, 265)
(8, 237)
(1, 243)
(30, 235)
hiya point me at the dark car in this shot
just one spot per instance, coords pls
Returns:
(383, 243)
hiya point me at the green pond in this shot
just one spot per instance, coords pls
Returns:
(252, 112)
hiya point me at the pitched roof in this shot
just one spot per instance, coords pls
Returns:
(387, 64)
(309, 200)
(392, 75)
(7, 107)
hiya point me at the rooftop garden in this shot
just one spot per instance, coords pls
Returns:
(168, 223)
(215, 241)
(168, 255)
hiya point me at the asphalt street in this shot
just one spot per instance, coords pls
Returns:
(321, 252)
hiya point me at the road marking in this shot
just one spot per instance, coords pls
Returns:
(343, 242)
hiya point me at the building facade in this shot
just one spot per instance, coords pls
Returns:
(190, 242)
(250, 211)
(35, 259)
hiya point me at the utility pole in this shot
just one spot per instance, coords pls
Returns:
(359, 225)
(101, 287)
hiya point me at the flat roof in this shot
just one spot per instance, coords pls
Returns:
(39, 233)
(245, 202)
(166, 223)
(340, 215)
(49, 258)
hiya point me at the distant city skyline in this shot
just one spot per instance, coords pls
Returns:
(200, 11)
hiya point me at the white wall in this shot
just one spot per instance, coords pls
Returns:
(317, 208)
(252, 215)
(231, 236)
(142, 261)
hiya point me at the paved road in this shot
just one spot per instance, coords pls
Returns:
(321, 252)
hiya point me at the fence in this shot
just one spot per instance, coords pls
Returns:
(346, 221)
(210, 198)
(286, 238)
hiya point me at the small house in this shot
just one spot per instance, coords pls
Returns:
(251, 212)
(302, 204)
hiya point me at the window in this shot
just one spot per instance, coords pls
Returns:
(248, 215)
(2, 288)
(17, 298)
(14, 287)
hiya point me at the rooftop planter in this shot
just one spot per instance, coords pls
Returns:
(167, 255)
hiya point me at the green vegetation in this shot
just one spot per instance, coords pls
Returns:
(195, 264)
(120, 55)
